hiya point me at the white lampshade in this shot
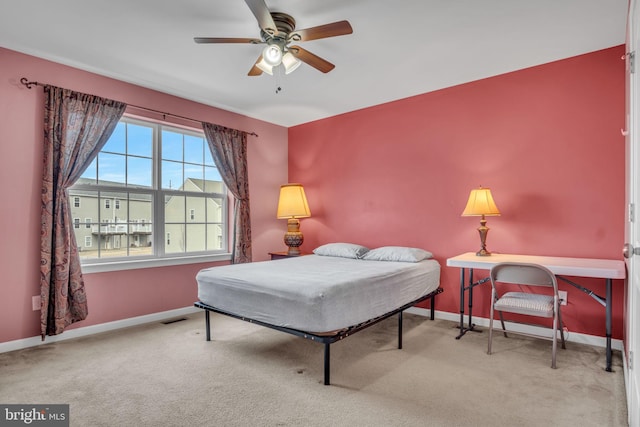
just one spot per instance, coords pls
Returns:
(262, 64)
(272, 55)
(290, 62)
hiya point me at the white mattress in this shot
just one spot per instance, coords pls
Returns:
(316, 293)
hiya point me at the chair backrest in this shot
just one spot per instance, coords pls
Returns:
(523, 274)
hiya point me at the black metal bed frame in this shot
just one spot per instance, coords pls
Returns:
(327, 340)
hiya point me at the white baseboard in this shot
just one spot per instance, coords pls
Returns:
(96, 329)
(481, 321)
(156, 317)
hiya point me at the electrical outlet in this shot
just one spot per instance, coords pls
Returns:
(35, 302)
(563, 297)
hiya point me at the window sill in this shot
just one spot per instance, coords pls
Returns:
(103, 267)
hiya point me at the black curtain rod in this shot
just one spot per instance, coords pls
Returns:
(28, 84)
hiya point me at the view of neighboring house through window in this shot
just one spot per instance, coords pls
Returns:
(150, 180)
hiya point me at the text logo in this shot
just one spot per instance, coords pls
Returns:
(34, 415)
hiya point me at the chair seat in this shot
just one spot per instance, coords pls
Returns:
(526, 303)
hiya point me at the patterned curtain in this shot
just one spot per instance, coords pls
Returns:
(229, 150)
(76, 127)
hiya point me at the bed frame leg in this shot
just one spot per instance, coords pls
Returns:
(207, 323)
(400, 331)
(327, 363)
(433, 307)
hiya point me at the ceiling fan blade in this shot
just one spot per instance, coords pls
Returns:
(311, 59)
(339, 28)
(263, 15)
(225, 40)
(255, 71)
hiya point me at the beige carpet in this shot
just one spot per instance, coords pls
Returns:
(169, 375)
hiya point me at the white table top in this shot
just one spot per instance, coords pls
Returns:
(560, 266)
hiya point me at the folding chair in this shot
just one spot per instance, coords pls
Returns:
(503, 277)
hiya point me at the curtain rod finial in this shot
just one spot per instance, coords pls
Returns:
(27, 83)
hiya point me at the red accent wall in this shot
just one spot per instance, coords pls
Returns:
(546, 140)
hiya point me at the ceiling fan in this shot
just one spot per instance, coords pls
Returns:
(277, 31)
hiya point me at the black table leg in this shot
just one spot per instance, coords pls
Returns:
(461, 326)
(608, 325)
(606, 302)
(471, 326)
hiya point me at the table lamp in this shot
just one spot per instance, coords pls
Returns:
(291, 206)
(481, 204)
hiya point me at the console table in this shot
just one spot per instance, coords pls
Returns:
(560, 266)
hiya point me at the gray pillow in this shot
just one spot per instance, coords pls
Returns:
(397, 253)
(343, 250)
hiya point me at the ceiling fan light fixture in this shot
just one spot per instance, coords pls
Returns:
(272, 55)
(290, 62)
(266, 68)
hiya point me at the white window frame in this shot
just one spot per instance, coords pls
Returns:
(160, 259)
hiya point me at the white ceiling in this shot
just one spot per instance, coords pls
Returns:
(398, 48)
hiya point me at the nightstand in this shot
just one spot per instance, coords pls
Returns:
(285, 254)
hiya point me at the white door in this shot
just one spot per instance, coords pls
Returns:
(632, 231)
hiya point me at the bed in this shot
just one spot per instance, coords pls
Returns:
(323, 298)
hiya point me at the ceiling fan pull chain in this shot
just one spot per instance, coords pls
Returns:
(277, 72)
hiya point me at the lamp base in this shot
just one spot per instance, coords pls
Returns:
(483, 230)
(293, 251)
(483, 252)
(293, 238)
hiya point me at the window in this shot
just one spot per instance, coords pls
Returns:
(149, 180)
(76, 222)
